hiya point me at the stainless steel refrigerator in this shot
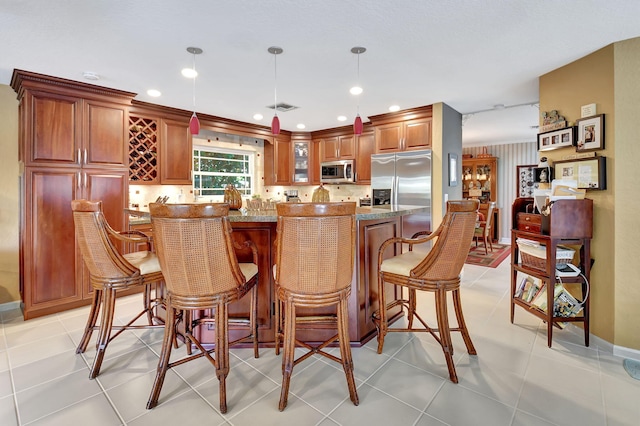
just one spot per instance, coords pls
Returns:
(403, 178)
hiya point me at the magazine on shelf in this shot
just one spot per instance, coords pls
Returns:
(565, 305)
(534, 289)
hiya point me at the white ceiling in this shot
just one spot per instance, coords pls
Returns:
(469, 54)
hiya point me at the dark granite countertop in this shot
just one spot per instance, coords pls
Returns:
(141, 216)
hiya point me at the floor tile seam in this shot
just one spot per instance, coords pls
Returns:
(11, 366)
(524, 381)
(86, 366)
(546, 420)
(418, 410)
(600, 381)
(148, 411)
(85, 398)
(571, 362)
(65, 331)
(110, 401)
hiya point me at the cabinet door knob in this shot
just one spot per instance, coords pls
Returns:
(527, 219)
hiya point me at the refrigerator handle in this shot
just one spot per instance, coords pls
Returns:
(394, 190)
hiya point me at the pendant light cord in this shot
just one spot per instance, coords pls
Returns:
(275, 83)
(194, 82)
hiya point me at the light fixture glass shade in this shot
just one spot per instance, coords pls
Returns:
(357, 125)
(275, 125)
(194, 124)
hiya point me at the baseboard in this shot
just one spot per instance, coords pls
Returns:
(9, 306)
(505, 241)
(623, 352)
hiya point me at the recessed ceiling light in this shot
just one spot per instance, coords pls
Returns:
(355, 90)
(301, 126)
(257, 116)
(189, 73)
(153, 93)
(342, 118)
(394, 108)
(90, 75)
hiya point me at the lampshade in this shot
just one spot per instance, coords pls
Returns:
(357, 125)
(194, 124)
(275, 125)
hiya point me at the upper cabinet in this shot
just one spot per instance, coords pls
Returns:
(480, 178)
(365, 146)
(176, 152)
(65, 123)
(278, 160)
(403, 131)
(340, 147)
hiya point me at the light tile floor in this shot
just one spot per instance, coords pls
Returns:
(514, 380)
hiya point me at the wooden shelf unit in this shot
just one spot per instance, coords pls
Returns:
(570, 224)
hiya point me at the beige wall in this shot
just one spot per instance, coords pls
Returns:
(9, 212)
(608, 78)
(627, 205)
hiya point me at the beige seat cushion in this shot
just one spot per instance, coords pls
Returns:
(403, 263)
(146, 261)
(248, 269)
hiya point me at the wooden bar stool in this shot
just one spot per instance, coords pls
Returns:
(111, 271)
(202, 273)
(314, 268)
(438, 271)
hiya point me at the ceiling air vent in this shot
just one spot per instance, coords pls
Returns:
(282, 107)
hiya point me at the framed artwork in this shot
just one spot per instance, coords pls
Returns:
(556, 139)
(526, 180)
(591, 173)
(590, 133)
(453, 169)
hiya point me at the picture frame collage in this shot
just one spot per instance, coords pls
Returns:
(586, 135)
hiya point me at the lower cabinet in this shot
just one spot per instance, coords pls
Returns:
(364, 294)
(53, 276)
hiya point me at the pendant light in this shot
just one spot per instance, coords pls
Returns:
(275, 123)
(357, 90)
(194, 123)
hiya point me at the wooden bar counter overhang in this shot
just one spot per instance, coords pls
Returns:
(374, 226)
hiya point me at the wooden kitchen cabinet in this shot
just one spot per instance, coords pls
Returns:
(278, 161)
(176, 152)
(341, 147)
(365, 146)
(404, 130)
(73, 143)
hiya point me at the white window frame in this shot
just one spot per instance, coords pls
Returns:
(250, 158)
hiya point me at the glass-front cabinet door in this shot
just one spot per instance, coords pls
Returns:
(301, 162)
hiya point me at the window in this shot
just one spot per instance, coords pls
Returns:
(215, 168)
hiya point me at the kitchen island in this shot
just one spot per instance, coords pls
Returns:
(373, 227)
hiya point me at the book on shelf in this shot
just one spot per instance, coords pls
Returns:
(531, 288)
(540, 300)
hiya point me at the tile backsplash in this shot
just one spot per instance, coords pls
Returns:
(142, 195)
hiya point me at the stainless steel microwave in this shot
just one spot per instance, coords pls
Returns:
(337, 172)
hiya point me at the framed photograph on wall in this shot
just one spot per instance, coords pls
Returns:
(590, 173)
(526, 180)
(556, 139)
(590, 133)
(453, 169)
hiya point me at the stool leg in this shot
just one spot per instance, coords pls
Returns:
(445, 333)
(279, 327)
(345, 349)
(457, 304)
(106, 323)
(289, 346)
(382, 324)
(91, 321)
(165, 354)
(412, 307)
(253, 320)
(146, 300)
(222, 352)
